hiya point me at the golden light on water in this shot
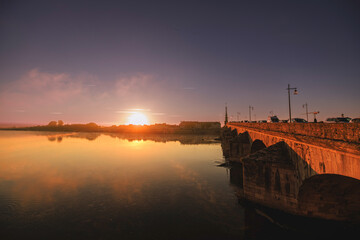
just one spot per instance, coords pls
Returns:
(122, 165)
(138, 119)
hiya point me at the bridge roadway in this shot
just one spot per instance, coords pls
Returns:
(320, 159)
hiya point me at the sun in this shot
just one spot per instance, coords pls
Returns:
(138, 119)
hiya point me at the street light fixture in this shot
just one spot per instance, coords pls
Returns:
(317, 112)
(295, 93)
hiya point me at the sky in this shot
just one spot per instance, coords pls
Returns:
(101, 61)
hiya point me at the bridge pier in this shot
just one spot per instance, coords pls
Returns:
(235, 145)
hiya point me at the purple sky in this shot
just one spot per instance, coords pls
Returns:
(97, 61)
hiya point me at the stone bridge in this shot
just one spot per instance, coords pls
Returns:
(306, 169)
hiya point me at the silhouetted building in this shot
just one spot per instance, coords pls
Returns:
(199, 125)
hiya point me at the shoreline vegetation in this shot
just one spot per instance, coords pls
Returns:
(185, 127)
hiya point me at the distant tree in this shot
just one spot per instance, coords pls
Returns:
(94, 125)
(91, 126)
(60, 123)
(52, 124)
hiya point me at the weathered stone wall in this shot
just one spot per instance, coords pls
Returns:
(297, 174)
(349, 132)
(330, 196)
(234, 145)
(270, 178)
(312, 156)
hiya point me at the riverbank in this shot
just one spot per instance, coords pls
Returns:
(198, 128)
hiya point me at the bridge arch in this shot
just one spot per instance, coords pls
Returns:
(330, 196)
(234, 132)
(257, 145)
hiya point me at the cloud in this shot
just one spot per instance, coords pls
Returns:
(39, 92)
(158, 114)
(139, 109)
(42, 88)
(133, 84)
(57, 85)
(133, 110)
(136, 110)
(19, 110)
(125, 111)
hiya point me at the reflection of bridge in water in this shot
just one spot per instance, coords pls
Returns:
(304, 169)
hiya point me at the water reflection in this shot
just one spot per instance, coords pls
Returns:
(183, 139)
(100, 186)
(110, 187)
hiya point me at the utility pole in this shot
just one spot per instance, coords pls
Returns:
(295, 93)
(307, 114)
(238, 116)
(250, 108)
(226, 114)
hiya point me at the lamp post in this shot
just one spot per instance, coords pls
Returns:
(226, 115)
(295, 93)
(250, 108)
(307, 114)
(238, 116)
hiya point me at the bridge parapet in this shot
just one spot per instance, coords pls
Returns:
(348, 132)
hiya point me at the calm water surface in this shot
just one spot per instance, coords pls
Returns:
(92, 186)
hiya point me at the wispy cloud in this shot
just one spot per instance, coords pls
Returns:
(158, 114)
(43, 93)
(137, 110)
(133, 110)
(131, 84)
(42, 88)
(125, 111)
(19, 110)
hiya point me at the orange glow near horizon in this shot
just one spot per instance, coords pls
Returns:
(138, 119)
(126, 167)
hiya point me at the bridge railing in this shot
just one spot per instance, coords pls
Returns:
(348, 132)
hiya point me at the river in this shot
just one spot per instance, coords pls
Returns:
(109, 186)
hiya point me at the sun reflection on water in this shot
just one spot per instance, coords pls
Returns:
(39, 170)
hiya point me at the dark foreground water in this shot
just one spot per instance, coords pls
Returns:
(92, 186)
